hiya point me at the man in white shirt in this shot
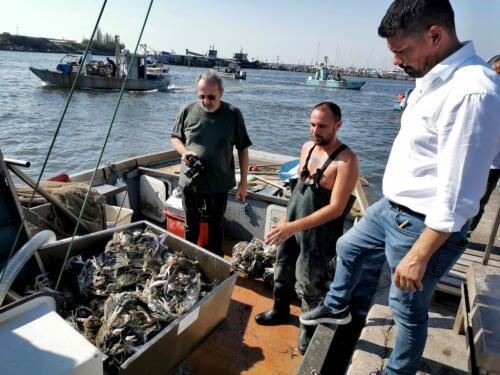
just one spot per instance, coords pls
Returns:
(434, 179)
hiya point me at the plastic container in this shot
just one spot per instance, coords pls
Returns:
(30, 345)
(174, 204)
(112, 218)
(174, 223)
(274, 214)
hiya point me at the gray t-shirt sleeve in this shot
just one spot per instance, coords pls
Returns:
(178, 128)
(241, 138)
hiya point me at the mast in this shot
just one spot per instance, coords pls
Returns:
(117, 55)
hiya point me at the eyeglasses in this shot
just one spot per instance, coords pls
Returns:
(209, 97)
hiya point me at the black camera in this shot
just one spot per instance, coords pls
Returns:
(195, 166)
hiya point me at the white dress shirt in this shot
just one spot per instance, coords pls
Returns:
(450, 133)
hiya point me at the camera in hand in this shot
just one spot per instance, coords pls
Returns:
(195, 166)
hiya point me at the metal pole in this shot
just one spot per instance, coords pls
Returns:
(21, 163)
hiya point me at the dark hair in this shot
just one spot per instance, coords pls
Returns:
(332, 107)
(414, 16)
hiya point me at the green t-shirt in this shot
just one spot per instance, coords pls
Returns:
(212, 136)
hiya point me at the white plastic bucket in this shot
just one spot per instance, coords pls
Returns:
(116, 216)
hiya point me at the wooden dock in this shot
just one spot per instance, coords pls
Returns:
(475, 251)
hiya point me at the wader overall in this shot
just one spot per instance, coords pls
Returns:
(304, 262)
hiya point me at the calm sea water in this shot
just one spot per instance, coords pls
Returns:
(276, 107)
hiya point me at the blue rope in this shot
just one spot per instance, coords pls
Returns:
(122, 90)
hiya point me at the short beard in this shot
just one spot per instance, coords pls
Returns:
(320, 142)
(418, 73)
(411, 72)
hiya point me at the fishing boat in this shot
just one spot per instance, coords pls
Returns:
(148, 182)
(157, 68)
(99, 75)
(321, 79)
(154, 65)
(231, 71)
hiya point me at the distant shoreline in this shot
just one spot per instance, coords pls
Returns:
(99, 53)
(23, 43)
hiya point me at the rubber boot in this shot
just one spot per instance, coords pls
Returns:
(305, 335)
(306, 332)
(279, 314)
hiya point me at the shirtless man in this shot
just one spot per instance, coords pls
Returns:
(314, 220)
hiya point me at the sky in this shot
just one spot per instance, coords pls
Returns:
(294, 31)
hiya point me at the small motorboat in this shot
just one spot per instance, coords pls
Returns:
(399, 104)
(321, 79)
(231, 71)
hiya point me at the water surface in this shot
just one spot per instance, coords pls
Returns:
(276, 107)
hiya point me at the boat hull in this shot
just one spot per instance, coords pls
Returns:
(232, 75)
(55, 78)
(330, 83)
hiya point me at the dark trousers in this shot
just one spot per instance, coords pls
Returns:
(493, 177)
(209, 208)
(304, 270)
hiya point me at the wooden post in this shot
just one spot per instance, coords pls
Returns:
(491, 241)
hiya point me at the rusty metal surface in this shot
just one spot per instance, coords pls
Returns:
(239, 345)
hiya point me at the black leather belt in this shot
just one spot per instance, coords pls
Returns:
(406, 210)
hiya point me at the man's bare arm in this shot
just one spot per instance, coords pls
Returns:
(244, 161)
(181, 148)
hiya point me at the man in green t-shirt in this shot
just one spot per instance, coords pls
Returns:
(209, 128)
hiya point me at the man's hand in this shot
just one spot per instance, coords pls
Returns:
(241, 192)
(186, 155)
(411, 269)
(280, 233)
(409, 272)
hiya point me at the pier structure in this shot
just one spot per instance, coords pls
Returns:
(210, 59)
(344, 71)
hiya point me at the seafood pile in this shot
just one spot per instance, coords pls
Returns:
(125, 295)
(254, 259)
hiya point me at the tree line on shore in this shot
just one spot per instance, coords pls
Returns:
(104, 43)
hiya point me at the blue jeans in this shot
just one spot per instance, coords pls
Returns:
(380, 231)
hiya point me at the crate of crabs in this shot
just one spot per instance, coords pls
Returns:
(144, 297)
